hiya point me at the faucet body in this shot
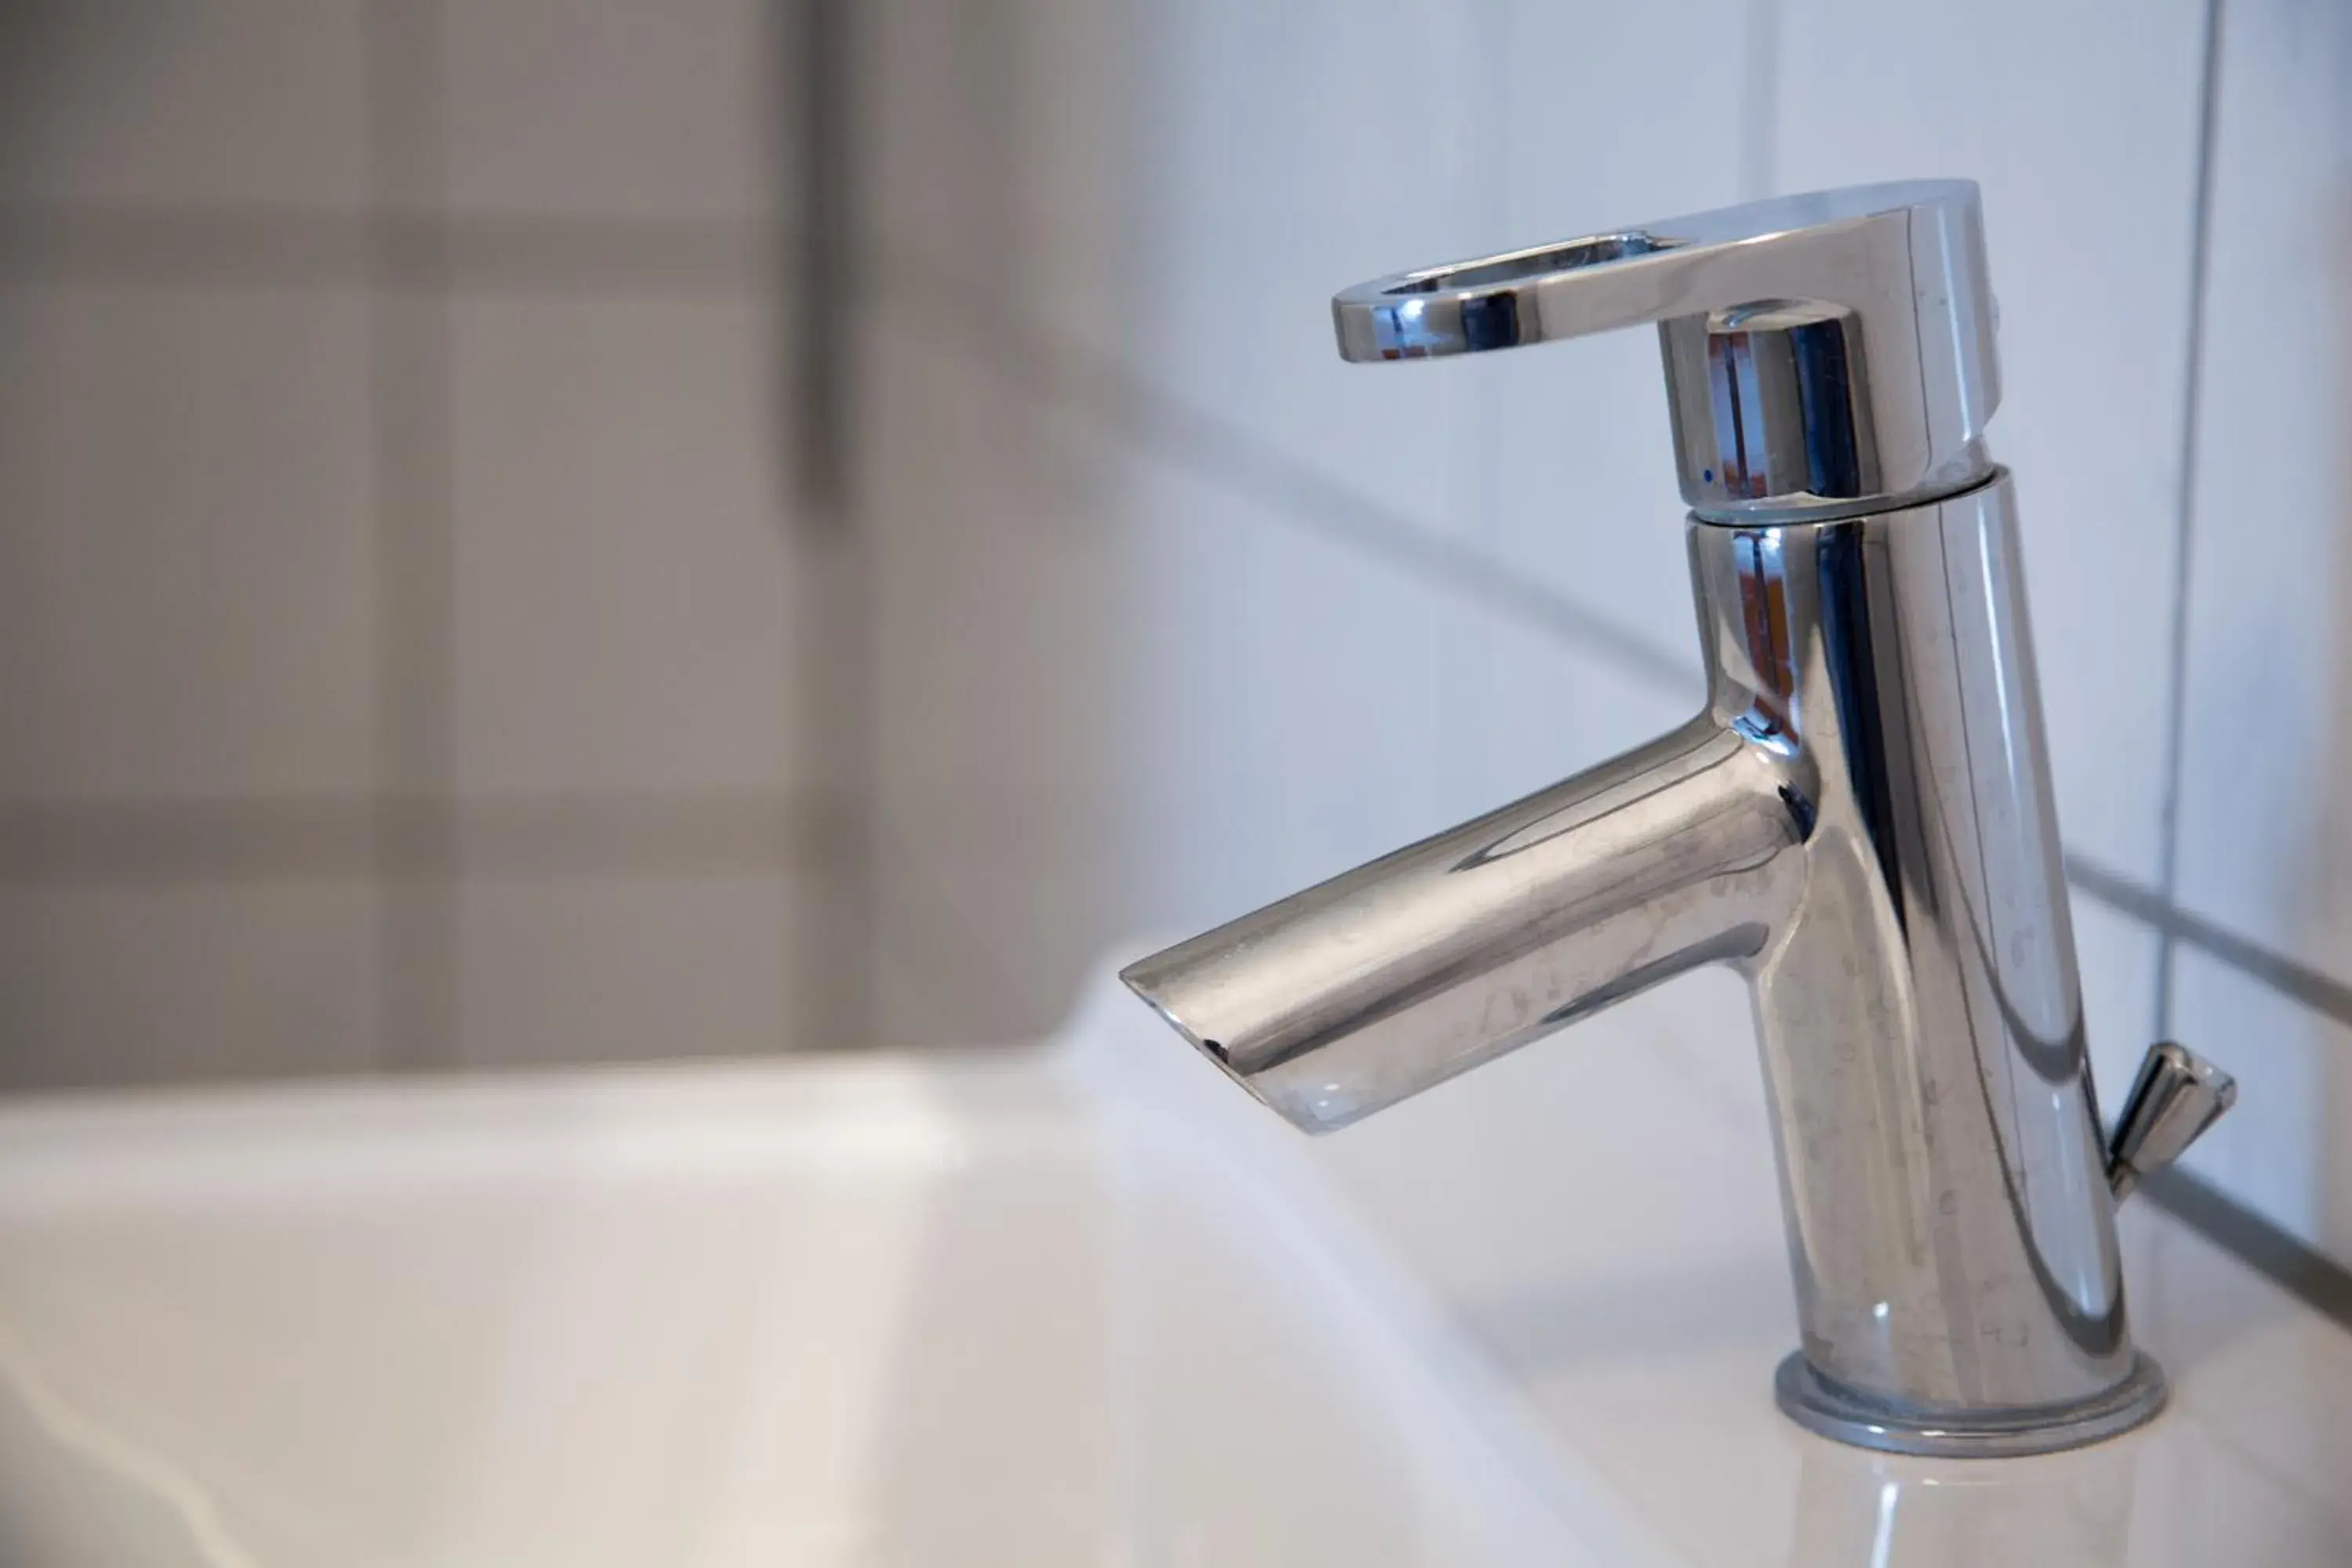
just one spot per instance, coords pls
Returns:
(1861, 822)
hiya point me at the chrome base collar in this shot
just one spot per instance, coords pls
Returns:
(1820, 1406)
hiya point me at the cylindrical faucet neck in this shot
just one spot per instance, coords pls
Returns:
(1377, 985)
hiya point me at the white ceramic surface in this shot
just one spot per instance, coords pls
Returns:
(1081, 1305)
(957, 1310)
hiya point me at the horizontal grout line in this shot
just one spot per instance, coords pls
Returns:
(263, 246)
(270, 247)
(1226, 454)
(80, 844)
(2304, 984)
(2303, 1271)
(572, 254)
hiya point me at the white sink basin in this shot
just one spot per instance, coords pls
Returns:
(1083, 1304)
(908, 1310)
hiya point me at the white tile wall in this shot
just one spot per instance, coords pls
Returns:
(103, 986)
(980, 937)
(187, 565)
(2266, 839)
(612, 109)
(2266, 843)
(493, 525)
(2118, 955)
(2082, 129)
(995, 150)
(1282, 152)
(193, 103)
(619, 968)
(625, 555)
(1056, 769)
(1306, 712)
(2283, 1151)
(1298, 691)
(999, 692)
(1282, 705)
(1573, 482)
(1000, 637)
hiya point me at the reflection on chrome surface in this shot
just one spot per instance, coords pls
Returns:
(1870, 1511)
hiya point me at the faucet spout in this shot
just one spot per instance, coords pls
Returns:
(1379, 984)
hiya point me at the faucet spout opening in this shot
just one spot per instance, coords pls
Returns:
(1379, 984)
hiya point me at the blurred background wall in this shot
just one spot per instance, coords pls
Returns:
(406, 622)
(424, 645)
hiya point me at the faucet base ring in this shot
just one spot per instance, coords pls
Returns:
(1818, 1407)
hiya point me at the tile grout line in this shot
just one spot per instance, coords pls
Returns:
(1760, 147)
(828, 976)
(414, 850)
(821, 369)
(2167, 847)
(2302, 1270)
(1472, 430)
(2297, 982)
(232, 244)
(231, 839)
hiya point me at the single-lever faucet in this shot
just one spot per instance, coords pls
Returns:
(1860, 822)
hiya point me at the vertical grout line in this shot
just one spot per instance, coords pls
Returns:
(2184, 523)
(815, 73)
(1475, 491)
(1490, 137)
(818, 117)
(414, 819)
(1759, 145)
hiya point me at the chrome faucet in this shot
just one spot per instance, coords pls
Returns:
(1860, 822)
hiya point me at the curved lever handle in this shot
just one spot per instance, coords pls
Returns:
(1825, 354)
(1852, 247)
(2178, 1095)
